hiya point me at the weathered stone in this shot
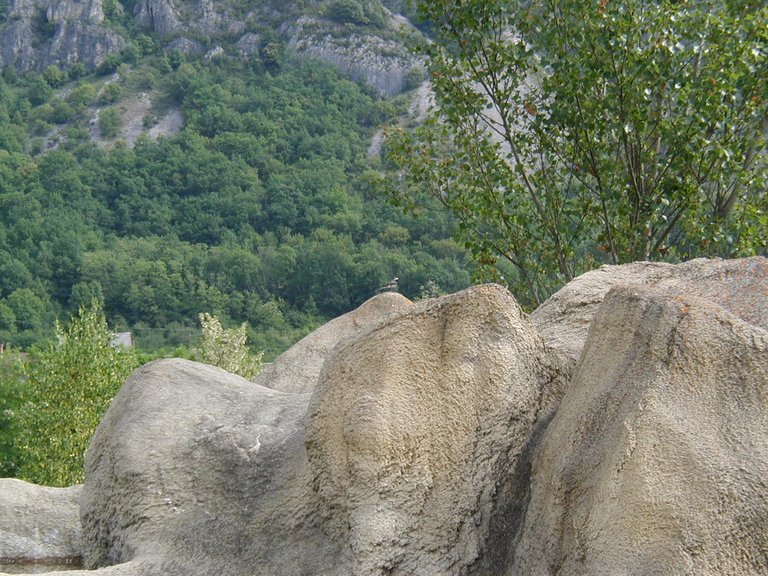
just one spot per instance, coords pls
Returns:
(159, 15)
(740, 286)
(418, 426)
(432, 407)
(298, 369)
(72, 32)
(76, 32)
(38, 523)
(381, 63)
(430, 438)
(657, 459)
(248, 45)
(185, 46)
(198, 471)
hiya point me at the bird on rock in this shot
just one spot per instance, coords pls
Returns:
(390, 286)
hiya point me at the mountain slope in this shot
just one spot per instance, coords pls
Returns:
(233, 180)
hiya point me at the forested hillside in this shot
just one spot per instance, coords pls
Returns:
(259, 210)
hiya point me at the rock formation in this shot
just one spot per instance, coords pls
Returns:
(739, 286)
(380, 62)
(657, 459)
(39, 523)
(454, 436)
(38, 33)
(417, 427)
(298, 369)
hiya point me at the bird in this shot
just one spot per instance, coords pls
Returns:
(390, 286)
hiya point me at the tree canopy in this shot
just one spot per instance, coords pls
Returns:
(258, 211)
(572, 133)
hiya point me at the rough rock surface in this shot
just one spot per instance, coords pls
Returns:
(39, 523)
(194, 470)
(382, 63)
(438, 420)
(159, 15)
(740, 286)
(443, 437)
(657, 459)
(200, 17)
(39, 33)
(298, 368)
(418, 426)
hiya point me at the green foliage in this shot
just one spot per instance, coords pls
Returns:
(110, 93)
(227, 348)
(347, 12)
(39, 91)
(54, 77)
(109, 122)
(595, 132)
(256, 211)
(273, 54)
(109, 64)
(357, 12)
(11, 400)
(82, 96)
(70, 385)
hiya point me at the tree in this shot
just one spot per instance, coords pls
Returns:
(347, 12)
(571, 133)
(70, 385)
(227, 348)
(109, 122)
(54, 76)
(11, 398)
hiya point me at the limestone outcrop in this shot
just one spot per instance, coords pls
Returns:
(39, 523)
(380, 62)
(657, 459)
(39, 33)
(197, 471)
(298, 368)
(740, 286)
(454, 436)
(418, 427)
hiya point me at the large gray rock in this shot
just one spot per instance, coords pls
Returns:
(159, 15)
(298, 368)
(416, 457)
(740, 286)
(430, 438)
(37, 33)
(39, 523)
(418, 432)
(194, 470)
(381, 62)
(657, 459)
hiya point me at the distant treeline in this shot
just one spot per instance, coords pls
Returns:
(260, 210)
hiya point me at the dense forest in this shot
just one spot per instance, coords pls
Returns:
(260, 210)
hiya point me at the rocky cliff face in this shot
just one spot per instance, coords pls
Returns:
(38, 33)
(383, 63)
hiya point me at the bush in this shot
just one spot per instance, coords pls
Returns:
(71, 383)
(347, 12)
(11, 399)
(109, 122)
(227, 348)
